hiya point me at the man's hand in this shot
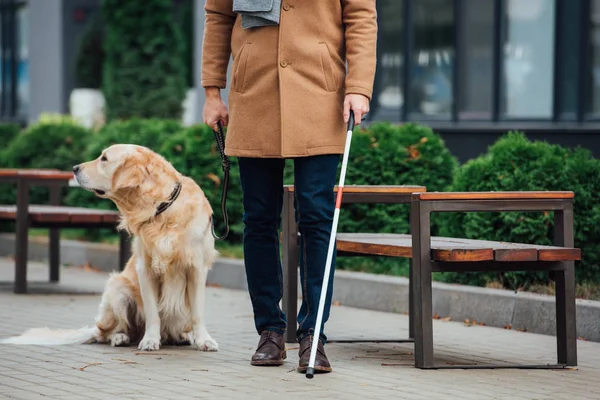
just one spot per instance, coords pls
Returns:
(215, 109)
(357, 103)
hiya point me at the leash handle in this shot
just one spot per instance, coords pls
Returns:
(220, 139)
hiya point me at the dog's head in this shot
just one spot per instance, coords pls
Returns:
(120, 168)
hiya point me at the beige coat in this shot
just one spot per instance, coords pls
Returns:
(289, 81)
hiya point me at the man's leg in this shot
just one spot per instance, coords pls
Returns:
(262, 188)
(315, 203)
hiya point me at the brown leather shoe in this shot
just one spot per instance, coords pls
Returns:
(321, 362)
(270, 350)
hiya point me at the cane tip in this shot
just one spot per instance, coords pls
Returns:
(310, 373)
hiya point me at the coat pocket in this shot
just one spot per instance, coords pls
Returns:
(241, 67)
(331, 83)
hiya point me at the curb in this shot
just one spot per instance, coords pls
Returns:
(494, 307)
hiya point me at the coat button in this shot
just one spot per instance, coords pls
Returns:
(286, 7)
(283, 63)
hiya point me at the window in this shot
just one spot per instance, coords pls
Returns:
(23, 75)
(14, 94)
(594, 58)
(432, 58)
(569, 47)
(388, 99)
(528, 78)
(476, 59)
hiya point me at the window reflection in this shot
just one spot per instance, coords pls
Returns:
(476, 38)
(388, 98)
(432, 61)
(594, 47)
(529, 59)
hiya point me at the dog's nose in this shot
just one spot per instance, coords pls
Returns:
(76, 169)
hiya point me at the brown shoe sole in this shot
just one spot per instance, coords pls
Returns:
(318, 368)
(270, 363)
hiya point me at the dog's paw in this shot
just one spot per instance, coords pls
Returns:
(149, 344)
(119, 339)
(208, 344)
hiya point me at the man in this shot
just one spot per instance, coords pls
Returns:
(290, 97)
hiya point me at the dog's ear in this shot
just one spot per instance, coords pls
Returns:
(129, 175)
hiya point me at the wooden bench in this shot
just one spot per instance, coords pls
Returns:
(435, 254)
(53, 216)
(364, 194)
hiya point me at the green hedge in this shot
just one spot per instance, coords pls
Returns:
(515, 163)
(144, 71)
(53, 143)
(381, 154)
(7, 133)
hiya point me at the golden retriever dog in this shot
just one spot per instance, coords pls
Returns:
(160, 295)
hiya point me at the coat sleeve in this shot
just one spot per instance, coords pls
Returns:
(216, 43)
(360, 20)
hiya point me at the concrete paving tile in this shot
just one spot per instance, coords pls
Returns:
(361, 370)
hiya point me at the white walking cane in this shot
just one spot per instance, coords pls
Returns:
(310, 371)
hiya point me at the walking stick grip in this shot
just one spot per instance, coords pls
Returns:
(351, 121)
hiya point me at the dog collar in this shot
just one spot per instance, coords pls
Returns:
(163, 206)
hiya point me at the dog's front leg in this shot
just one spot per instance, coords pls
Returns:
(201, 339)
(149, 292)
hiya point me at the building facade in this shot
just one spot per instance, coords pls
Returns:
(470, 69)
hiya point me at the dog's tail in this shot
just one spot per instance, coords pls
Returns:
(54, 337)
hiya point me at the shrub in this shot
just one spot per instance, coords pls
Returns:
(144, 72)
(515, 163)
(49, 144)
(52, 143)
(386, 154)
(194, 153)
(7, 133)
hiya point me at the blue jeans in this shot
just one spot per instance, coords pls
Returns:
(262, 186)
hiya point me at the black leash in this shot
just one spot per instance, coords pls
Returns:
(220, 139)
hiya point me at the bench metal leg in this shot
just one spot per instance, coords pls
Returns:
(290, 266)
(566, 323)
(22, 236)
(54, 239)
(124, 249)
(421, 284)
(54, 253)
(411, 311)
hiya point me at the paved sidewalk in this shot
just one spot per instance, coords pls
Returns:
(361, 371)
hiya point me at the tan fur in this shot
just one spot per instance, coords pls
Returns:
(172, 252)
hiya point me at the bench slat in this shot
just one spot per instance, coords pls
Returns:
(533, 195)
(560, 255)
(442, 249)
(507, 255)
(452, 249)
(51, 174)
(61, 214)
(391, 189)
